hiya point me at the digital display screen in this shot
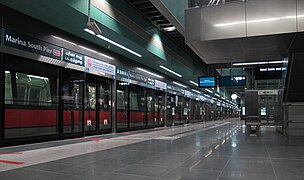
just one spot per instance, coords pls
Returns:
(207, 81)
(225, 81)
(269, 72)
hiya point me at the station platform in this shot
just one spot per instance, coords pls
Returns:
(212, 150)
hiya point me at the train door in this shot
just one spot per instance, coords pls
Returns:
(170, 109)
(122, 113)
(161, 108)
(72, 99)
(208, 112)
(104, 104)
(90, 109)
(152, 108)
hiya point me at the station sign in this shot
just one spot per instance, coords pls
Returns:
(73, 57)
(267, 92)
(25, 43)
(151, 82)
(160, 85)
(138, 77)
(94, 65)
(122, 72)
(187, 93)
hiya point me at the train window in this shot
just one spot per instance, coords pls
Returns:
(31, 93)
(21, 94)
(30, 89)
(8, 88)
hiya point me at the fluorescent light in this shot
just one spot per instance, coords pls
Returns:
(245, 64)
(104, 55)
(217, 95)
(169, 70)
(181, 85)
(207, 95)
(258, 20)
(153, 74)
(196, 91)
(259, 63)
(193, 83)
(119, 45)
(170, 28)
(7, 72)
(277, 62)
(208, 90)
(89, 31)
(92, 28)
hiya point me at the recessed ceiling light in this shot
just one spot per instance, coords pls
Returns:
(172, 28)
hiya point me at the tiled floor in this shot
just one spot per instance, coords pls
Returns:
(219, 150)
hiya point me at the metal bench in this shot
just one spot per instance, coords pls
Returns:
(253, 124)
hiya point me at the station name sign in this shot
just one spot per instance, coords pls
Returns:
(28, 44)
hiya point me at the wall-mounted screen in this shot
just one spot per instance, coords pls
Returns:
(269, 72)
(207, 81)
(225, 81)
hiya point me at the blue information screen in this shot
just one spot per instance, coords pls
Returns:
(207, 81)
(225, 81)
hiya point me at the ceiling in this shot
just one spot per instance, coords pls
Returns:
(161, 22)
(258, 48)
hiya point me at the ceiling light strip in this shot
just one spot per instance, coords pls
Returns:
(192, 82)
(169, 70)
(89, 31)
(151, 73)
(258, 63)
(208, 90)
(119, 45)
(196, 91)
(181, 85)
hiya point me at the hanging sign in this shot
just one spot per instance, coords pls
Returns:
(99, 66)
(73, 57)
(160, 84)
(32, 45)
